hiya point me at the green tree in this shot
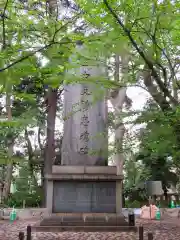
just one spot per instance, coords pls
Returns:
(155, 150)
(151, 30)
(28, 33)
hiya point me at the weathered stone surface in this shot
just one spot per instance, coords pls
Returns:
(83, 177)
(85, 112)
(72, 220)
(100, 170)
(85, 197)
(85, 220)
(118, 220)
(87, 228)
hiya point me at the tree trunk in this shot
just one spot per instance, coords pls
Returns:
(9, 169)
(30, 159)
(51, 100)
(119, 128)
(49, 152)
(118, 100)
(50, 142)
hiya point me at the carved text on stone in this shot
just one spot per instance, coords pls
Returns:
(84, 135)
(84, 150)
(85, 105)
(85, 91)
(84, 121)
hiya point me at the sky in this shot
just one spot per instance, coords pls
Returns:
(139, 97)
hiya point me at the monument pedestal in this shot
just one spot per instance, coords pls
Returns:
(84, 198)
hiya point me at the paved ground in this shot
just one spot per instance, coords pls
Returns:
(169, 230)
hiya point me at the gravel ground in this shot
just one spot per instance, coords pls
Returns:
(162, 230)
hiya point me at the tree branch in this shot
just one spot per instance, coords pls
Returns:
(142, 54)
(52, 42)
(157, 96)
(154, 41)
(39, 139)
(3, 25)
(38, 50)
(31, 54)
(29, 146)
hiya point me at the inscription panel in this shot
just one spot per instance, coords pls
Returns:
(71, 197)
(104, 197)
(86, 197)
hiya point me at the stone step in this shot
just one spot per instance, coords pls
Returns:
(77, 220)
(38, 228)
(50, 223)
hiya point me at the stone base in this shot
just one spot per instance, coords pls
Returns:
(84, 222)
(94, 189)
(57, 229)
(84, 198)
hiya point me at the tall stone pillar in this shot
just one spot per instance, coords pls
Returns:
(85, 133)
(85, 117)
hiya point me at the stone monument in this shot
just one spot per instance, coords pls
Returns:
(83, 193)
(85, 111)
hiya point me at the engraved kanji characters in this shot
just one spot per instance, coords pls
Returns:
(85, 91)
(85, 105)
(84, 136)
(84, 150)
(86, 73)
(84, 121)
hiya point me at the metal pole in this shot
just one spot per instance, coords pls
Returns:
(28, 237)
(141, 233)
(21, 235)
(131, 219)
(150, 236)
